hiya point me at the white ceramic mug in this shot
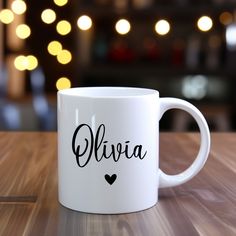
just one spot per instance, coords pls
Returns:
(108, 148)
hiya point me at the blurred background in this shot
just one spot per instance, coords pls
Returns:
(183, 48)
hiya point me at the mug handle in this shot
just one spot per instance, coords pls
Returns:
(166, 180)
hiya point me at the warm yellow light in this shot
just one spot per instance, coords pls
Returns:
(18, 7)
(48, 16)
(63, 27)
(54, 48)
(21, 63)
(6, 16)
(64, 56)
(162, 27)
(60, 3)
(63, 83)
(25, 63)
(23, 31)
(122, 26)
(226, 18)
(32, 62)
(84, 22)
(204, 23)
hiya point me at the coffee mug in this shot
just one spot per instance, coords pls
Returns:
(108, 148)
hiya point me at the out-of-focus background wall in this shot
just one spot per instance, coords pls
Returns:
(183, 48)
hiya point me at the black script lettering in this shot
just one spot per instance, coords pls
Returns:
(98, 140)
(138, 152)
(127, 149)
(76, 150)
(99, 147)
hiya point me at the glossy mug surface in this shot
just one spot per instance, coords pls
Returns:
(108, 148)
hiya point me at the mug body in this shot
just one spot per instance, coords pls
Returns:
(108, 141)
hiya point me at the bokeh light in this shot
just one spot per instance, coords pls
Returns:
(54, 48)
(21, 62)
(84, 22)
(226, 18)
(6, 16)
(64, 56)
(230, 36)
(122, 26)
(32, 62)
(48, 16)
(195, 87)
(63, 83)
(204, 23)
(60, 3)
(162, 27)
(23, 31)
(18, 7)
(25, 62)
(63, 27)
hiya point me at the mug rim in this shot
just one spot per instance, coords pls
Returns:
(108, 92)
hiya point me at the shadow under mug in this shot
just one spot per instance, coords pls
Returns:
(108, 148)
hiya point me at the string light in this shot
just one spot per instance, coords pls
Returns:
(23, 31)
(20, 63)
(63, 27)
(60, 3)
(6, 16)
(63, 83)
(48, 16)
(122, 26)
(18, 7)
(204, 23)
(64, 56)
(25, 62)
(32, 62)
(84, 22)
(162, 27)
(54, 48)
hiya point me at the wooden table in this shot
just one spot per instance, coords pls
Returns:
(204, 206)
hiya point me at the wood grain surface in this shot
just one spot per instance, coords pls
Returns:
(206, 205)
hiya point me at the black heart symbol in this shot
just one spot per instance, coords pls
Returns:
(110, 179)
